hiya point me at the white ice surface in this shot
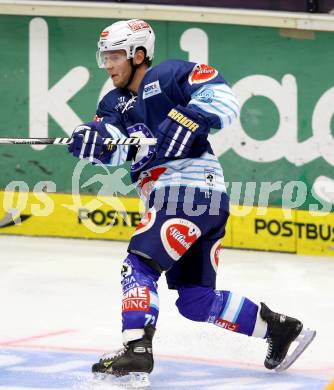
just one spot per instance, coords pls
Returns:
(64, 294)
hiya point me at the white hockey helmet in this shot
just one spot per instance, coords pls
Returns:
(126, 35)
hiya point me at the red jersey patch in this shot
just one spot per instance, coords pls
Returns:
(202, 73)
(147, 179)
(178, 235)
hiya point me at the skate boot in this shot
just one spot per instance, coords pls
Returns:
(282, 331)
(134, 359)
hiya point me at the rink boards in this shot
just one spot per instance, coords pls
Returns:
(115, 218)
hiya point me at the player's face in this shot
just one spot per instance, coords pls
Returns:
(118, 67)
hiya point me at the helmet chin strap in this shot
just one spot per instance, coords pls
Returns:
(133, 72)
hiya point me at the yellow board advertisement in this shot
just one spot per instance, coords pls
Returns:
(315, 233)
(66, 215)
(263, 228)
(115, 218)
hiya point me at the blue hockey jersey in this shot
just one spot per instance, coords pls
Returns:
(171, 83)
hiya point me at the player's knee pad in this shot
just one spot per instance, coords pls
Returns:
(140, 303)
(195, 302)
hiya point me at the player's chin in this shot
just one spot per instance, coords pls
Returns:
(118, 83)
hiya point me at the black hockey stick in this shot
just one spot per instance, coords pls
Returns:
(67, 141)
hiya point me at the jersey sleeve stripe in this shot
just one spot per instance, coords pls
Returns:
(217, 99)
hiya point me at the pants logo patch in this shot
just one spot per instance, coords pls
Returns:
(215, 254)
(146, 222)
(177, 235)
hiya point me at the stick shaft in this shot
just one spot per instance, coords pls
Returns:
(67, 141)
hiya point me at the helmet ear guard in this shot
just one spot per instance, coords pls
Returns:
(128, 35)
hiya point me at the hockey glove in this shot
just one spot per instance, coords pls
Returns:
(88, 143)
(178, 131)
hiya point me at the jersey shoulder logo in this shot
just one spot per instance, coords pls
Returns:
(151, 89)
(202, 73)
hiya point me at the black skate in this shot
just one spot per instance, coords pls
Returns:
(282, 331)
(134, 359)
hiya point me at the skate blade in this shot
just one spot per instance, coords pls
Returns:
(304, 339)
(134, 380)
(139, 380)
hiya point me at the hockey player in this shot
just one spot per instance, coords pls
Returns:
(176, 102)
